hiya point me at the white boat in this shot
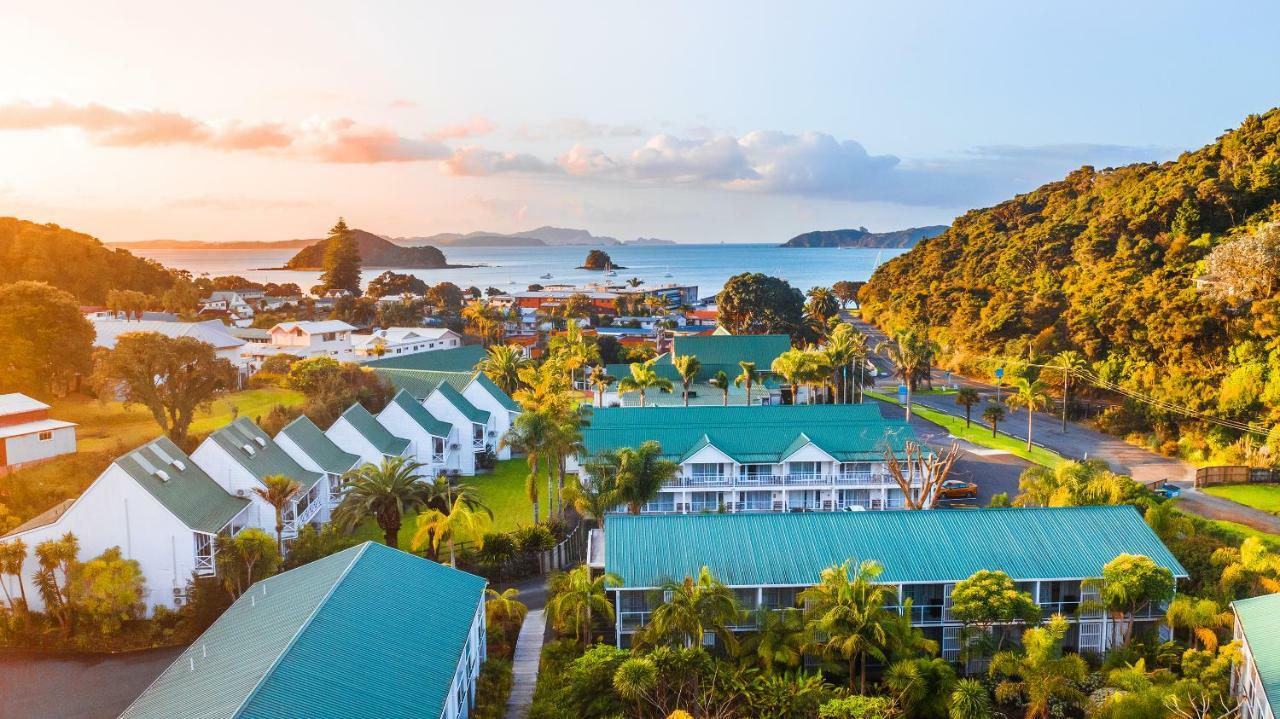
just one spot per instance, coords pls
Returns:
(611, 273)
(545, 277)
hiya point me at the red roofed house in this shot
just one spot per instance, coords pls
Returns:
(27, 434)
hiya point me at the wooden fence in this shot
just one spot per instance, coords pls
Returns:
(1209, 476)
(572, 550)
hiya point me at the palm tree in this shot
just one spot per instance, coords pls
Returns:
(970, 700)
(748, 377)
(593, 491)
(386, 491)
(502, 364)
(848, 617)
(1200, 617)
(564, 440)
(573, 350)
(580, 597)
(503, 609)
(688, 366)
(816, 370)
(922, 687)
(441, 494)
(777, 642)
(601, 380)
(845, 345)
(790, 366)
(1253, 568)
(278, 491)
(644, 378)
(461, 520)
(994, 415)
(530, 435)
(641, 473)
(691, 608)
(1070, 362)
(721, 382)
(1040, 675)
(967, 397)
(910, 354)
(821, 306)
(1029, 394)
(13, 554)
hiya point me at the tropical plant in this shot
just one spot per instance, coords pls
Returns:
(601, 380)
(1040, 675)
(748, 377)
(245, 558)
(1031, 395)
(530, 435)
(461, 520)
(644, 378)
(689, 609)
(503, 608)
(1071, 363)
(109, 590)
(994, 415)
(1128, 584)
(13, 554)
(56, 561)
(967, 397)
(777, 642)
(593, 491)
(1202, 618)
(1252, 569)
(790, 366)
(846, 348)
(921, 687)
(385, 492)
(821, 305)
(911, 354)
(502, 364)
(969, 700)
(848, 617)
(278, 491)
(721, 382)
(579, 598)
(688, 367)
(988, 598)
(641, 473)
(1073, 484)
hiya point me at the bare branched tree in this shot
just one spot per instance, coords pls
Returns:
(920, 472)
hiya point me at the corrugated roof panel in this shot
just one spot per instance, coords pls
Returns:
(190, 494)
(492, 388)
(420, 415)
(732, 349)
(421, 383)
(458, 359)
(318, 446)
(1260, 620)
(369, 427)
(470, 411)
(267, 457)
(914, 546)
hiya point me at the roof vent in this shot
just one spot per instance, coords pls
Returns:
(262, 442)
(248, 449)
(179, 465)
(239, 492)
(163, 475)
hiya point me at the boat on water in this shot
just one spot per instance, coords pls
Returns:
(545, 277)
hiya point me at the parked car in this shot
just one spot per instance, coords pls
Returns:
(1168, 491)
(958, 489)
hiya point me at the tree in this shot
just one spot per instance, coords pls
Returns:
(994, 415)
(1074, 484)
(462, 520)
(846, 291)
(57, 562)
(969, 700)
(45, 341)
(170, 376)
(130, 303)
(756, 304)
(920, 473)
(502, 364)
(1040, 675)
(245, 558)
(821, 306)
(644, 378)
(581, 597)
(747, 378)
(688, 366)
(922, 687)
(503, 608)
(1253, 568)
(1202, 618)
(911, 354)
(593, 491)
(385, 492)
(601, 380)
(1028, 394)
(109, 590)
(1128, 584)
(394, 284)
(790, 366)
(529, 434)
(341, 260)
(848, 616)
(278, 491)
(967, 397)
(641, 473)
(721, 382)
(846, 352)
(777, 642)
(988, 598)
(1070, 362)
(858, 707)
(446, 297)
(13, 554)
(690, 608)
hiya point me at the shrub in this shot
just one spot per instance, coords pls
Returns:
(492, 689)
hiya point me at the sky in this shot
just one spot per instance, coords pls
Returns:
(695, 122)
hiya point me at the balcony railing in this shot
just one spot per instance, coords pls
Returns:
(437, 458)
(782, 480)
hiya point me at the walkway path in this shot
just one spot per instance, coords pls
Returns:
(524, 665)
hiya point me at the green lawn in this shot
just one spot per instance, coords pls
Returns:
(979, 433)
(1259, 496)
(502, 491)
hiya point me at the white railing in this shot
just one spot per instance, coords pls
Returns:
(779, 480)
(312, 508)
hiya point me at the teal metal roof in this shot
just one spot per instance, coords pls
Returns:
(1260, 620)
(421, 383)
(367, 632)
(934, 546)
(731, 349)
(263, 457)
(419, 414)
(492, 388)
(319, 448)
(458, 359)
(369, 428)
(755, 434)
(701, 393)
(190, 494)
(470, 411)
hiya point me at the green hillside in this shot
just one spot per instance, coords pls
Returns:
(374, 252)
(73, 261)
(1104, 262)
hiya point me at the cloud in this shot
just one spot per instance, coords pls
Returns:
(475, 161)
(342, 140)
(474, 127)
(574, 128)
(402, 104)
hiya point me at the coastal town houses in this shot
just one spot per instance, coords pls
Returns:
(367, 632)
(237, 306)
(768, 559)
(240, 456)
(1255, 679)
(473, 433)
(157, 505)
(483, 394)
(394, 341)
(358, 432)
(29, 435)
(775, 458)
(302, 440)
(479, 397)
(323, 338)
(429, 437)
(213, 332)
(716, 353)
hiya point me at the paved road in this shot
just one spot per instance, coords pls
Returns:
(90, 687)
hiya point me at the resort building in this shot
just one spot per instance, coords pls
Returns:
(459, 359)
(302, 440)
(157, 505)
(28, 435)
(716, 353)
(213, 332)
(768, 559)
(776, 458)
(473, 429)
(1255, 680)
(367, 632)
(240, 456)
(405, 417)
(483, 394)
(358, 432)
(394, 341)
(324, 338)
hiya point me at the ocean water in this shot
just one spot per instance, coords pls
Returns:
(514, 268)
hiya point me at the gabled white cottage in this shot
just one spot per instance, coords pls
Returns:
(429, 437)
(472, 432)
(482, 393)
(29, 435)
(154, 503)
(310, 448)
(359, 433)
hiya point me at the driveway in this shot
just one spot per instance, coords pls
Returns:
(36, 686)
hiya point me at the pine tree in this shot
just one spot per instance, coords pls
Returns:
(341, 260)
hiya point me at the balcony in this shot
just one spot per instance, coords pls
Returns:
(783, 480)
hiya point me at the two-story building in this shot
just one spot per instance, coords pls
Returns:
(328, 641)
(302, 440)
(394, 341)
(716, 353)
(323, 338)
(29, 435)
(157, 505)
(768, 559)
(1255, 680)
(428, 437)
(472, 429)
(774, 458)
(358, 432)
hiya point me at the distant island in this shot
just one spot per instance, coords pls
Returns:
(375, 251)
(862, 237)
(542, 236)
(641, 241)
(599, 260)
(200, 245)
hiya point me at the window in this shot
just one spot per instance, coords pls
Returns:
(45, 436)
(706, 472)
(756, 501)
(805, 469)
(705, 501)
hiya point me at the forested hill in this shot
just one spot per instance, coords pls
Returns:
(862, 237)
(374, 252)
(74, 261)
(1103, 262)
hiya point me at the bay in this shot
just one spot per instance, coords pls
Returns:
(514, 268)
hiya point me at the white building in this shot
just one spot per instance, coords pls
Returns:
(302, 440)
(1255, 680)
(240, 456)
(213, 332)
(325, 338)
(483, 394)
(358, 432)
(472, 429)
(428, 437)
(28, 435)
(394, 341)
(236, 305)
(154, 503)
